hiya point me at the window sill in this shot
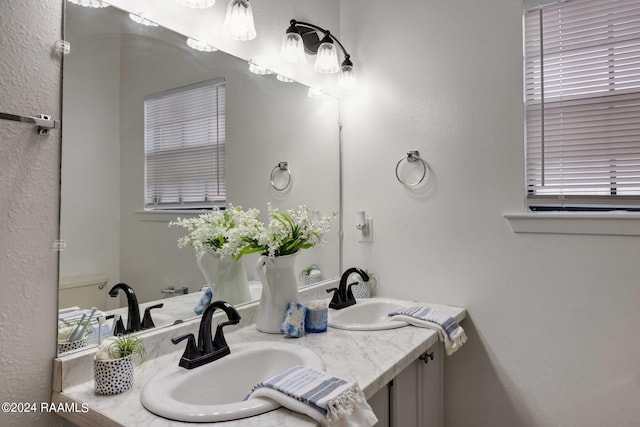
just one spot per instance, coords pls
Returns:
(167, 215)
(609, 223)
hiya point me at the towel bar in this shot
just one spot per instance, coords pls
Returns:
(43, 121)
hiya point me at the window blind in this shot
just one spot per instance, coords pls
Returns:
(184, 141)
(582, 97)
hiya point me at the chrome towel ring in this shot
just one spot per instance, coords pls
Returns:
(281, 167)
(412, 157)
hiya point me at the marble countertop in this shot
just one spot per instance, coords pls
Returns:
(372, 358)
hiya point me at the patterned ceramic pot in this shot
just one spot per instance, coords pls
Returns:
(64, 346)
(361, 290)
(113, 376)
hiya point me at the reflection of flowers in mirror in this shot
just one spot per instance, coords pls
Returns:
(224, 231)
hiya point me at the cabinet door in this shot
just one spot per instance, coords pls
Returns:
(416, 394)
(431, 400)
(379, 402)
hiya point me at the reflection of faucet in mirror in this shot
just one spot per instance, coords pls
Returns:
(133, 312)
(208, 350)
(342, 295)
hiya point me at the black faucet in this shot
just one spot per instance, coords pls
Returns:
(133, 311)
(342, 295)
(207, 350)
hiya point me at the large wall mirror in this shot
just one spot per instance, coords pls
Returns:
(113, 65)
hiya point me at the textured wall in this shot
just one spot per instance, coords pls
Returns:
(552, 322)
(29, 194)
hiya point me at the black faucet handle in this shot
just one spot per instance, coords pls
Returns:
(336, 300)
(147, 321)
(119, 328)
(190, 352)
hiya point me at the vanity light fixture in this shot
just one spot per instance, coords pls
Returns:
(201, 46)
(302, 37)
(90, 3)
(239, 20)
(197, 4)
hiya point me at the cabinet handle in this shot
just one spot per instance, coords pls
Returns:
(426, 357)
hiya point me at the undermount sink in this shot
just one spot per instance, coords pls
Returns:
(367, 315)
(214, 392)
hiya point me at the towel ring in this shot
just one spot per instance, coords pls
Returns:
(412, 156)
(281, 166)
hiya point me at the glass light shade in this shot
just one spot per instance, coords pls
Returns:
(239, 20)
(326, 59)
(347, 80)
(198, 45)
(292, 50)
(90, 3)
(197, 4)
(140, 19)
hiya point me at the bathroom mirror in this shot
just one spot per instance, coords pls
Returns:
(113, 64)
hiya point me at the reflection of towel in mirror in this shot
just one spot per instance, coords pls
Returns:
(204, 301)
(450, 332)
(329, 400)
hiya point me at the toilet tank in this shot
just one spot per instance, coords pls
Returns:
(84, 291)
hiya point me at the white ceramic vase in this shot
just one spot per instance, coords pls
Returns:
(279, 288)
(230, 282)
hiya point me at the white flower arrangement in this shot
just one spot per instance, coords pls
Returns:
(288, 232)
(224, 232)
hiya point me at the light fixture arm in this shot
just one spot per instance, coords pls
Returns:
(299, 24)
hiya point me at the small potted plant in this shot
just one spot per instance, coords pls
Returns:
(310, 275)
(114, 362)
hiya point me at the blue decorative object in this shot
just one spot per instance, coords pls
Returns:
(316, 320)
(204, 301)
(293, 324)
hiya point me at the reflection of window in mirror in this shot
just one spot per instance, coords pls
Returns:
(184, 146)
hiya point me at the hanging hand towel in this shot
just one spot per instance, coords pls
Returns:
(329, 400)
(448, 329)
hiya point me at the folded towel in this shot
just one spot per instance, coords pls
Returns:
(204, 301)
(293, 324)
(329, 400)
(448, 329)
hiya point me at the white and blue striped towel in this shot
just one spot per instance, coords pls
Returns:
(448, 329)
(327, 399)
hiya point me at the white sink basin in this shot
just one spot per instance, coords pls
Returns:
(214, 392)
(367, 315)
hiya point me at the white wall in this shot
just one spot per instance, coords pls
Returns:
(552, 318)
(29, 194)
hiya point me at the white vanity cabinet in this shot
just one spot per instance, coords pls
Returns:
(415, 396)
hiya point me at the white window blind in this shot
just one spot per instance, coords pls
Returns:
(184, 140)
(582, 96)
